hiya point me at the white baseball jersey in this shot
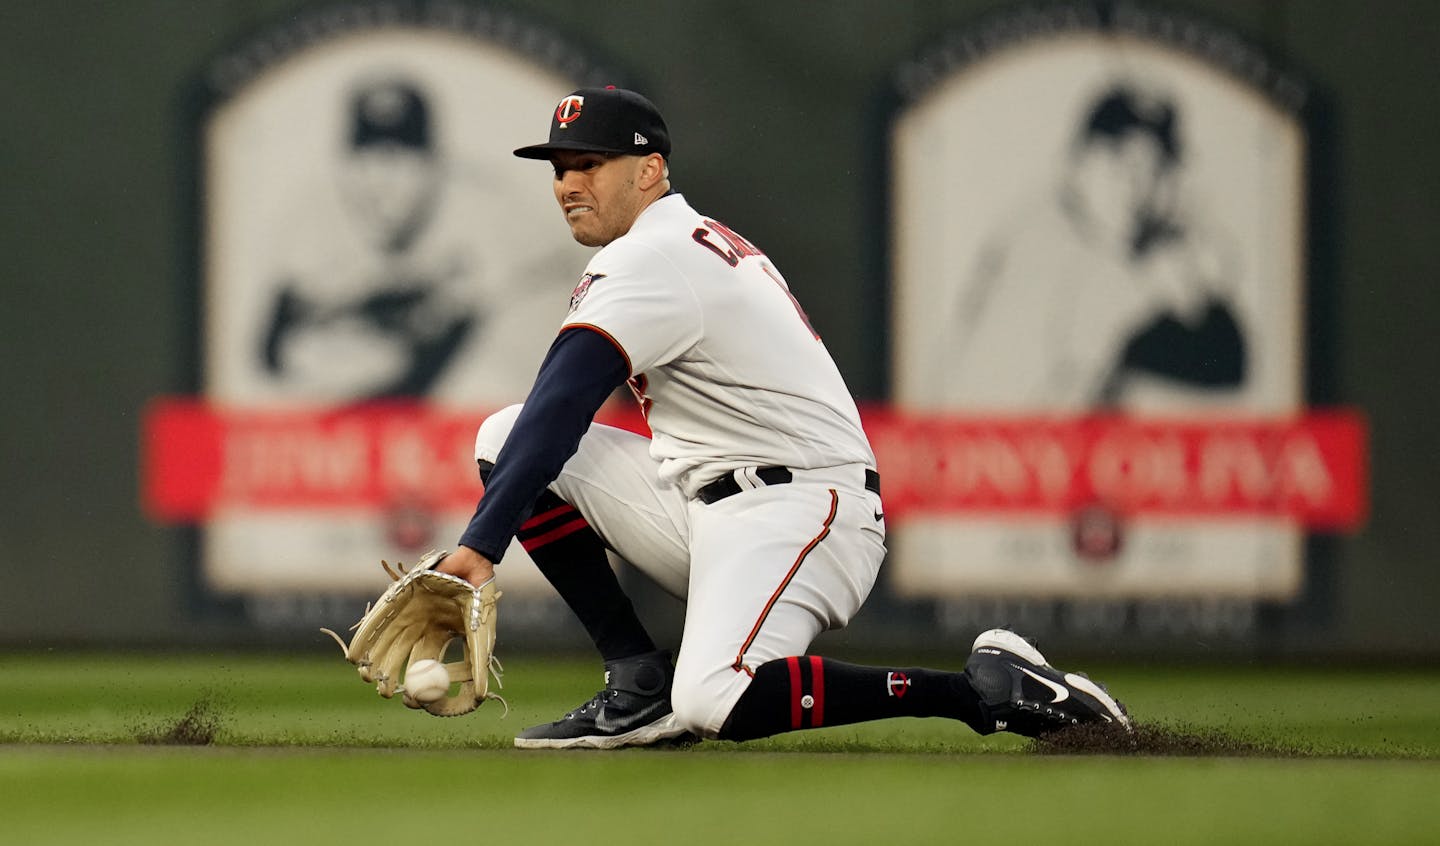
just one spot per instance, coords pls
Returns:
(726, 365)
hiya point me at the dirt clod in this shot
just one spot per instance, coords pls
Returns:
(198, 727)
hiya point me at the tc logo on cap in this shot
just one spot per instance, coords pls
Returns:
(569, 109)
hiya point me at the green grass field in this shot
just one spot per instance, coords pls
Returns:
(301, 752)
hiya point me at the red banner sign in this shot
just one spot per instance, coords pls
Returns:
(1309, 469)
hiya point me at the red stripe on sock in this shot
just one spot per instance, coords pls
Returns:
(795, 692)
(553, 535)
(817, 684)
(539, 519)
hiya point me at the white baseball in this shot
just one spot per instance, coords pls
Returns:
(427, 680)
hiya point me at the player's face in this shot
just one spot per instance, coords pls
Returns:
(1117, 181)
(598, 194)
(387, 187)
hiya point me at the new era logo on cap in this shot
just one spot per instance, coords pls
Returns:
(603, 120)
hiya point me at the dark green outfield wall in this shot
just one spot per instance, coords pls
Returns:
(777, 110)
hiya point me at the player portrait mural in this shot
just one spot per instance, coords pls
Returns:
(390, 223)
(1115, 273)
(367, 239)
(1098, 217)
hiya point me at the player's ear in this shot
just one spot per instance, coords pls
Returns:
(652, 171)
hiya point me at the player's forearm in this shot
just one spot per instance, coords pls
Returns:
(579, 373)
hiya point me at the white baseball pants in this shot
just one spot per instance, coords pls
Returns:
(763, 572)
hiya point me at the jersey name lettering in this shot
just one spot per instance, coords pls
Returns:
(736, 247)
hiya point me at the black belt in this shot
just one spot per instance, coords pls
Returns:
(727, 486)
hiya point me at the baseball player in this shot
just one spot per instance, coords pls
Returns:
(756, 499)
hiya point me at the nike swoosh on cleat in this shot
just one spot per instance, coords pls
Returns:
(1061, 692)
(605, 725)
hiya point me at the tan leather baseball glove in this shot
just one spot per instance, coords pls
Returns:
(418, 617)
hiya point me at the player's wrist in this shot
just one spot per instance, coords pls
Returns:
(469, 565)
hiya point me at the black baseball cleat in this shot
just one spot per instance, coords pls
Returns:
(632, 710)
(1020, 692)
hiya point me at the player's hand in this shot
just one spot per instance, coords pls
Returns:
(468, 565)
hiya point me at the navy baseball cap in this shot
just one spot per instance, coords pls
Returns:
(603, 120)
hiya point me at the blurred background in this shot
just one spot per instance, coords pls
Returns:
(1156, 274)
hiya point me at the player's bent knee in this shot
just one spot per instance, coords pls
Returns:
(691, 709)
(702, 701)
(493, 432)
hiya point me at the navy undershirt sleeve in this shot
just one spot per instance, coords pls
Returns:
(581, 370)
